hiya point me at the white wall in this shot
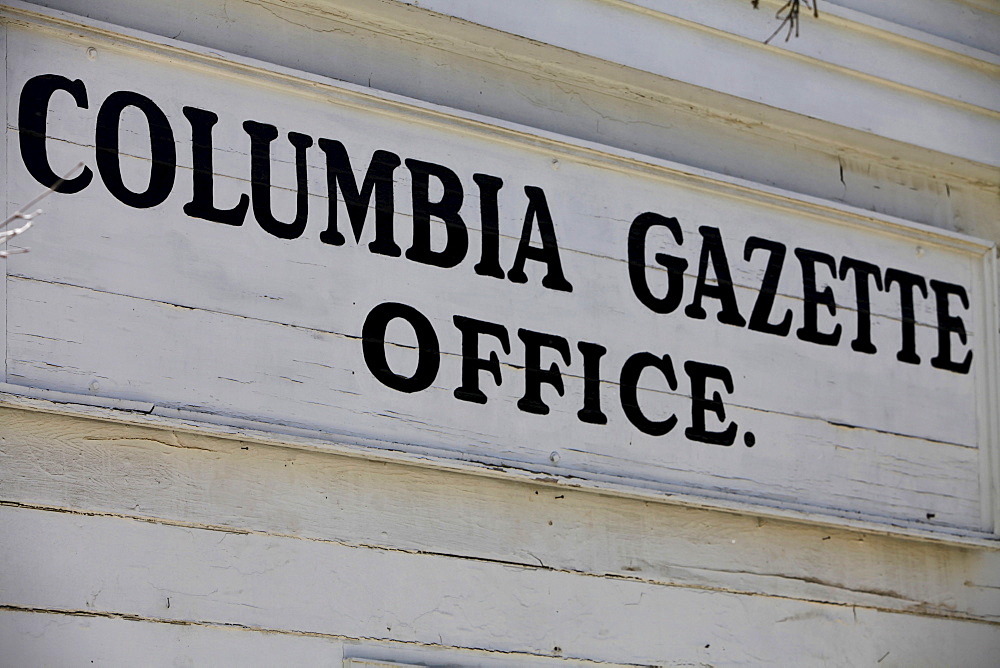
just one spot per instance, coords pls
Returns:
(129, 538)
(128, 531)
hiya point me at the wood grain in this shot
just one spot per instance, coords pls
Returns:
(181, 477)
(153, 306)
(319, 387)
(315, 587)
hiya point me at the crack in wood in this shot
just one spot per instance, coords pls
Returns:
(920, 609)
(107, 614)
(457, 355)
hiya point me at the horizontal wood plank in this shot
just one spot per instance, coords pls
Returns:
(314, 587)
(32, 637)
(53, 638)
(183, 477)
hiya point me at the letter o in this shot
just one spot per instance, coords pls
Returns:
(373, 346)
(162, 150)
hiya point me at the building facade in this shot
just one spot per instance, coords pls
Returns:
(564, 333)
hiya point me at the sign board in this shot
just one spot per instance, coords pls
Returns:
(260, 244)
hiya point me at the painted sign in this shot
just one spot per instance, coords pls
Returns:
(261, 245)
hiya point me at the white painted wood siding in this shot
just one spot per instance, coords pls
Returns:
(174, 493)
(469, 62)
(154, 306)
(106, 522)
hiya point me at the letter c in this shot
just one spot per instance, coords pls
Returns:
(628, 389)
(32, 119)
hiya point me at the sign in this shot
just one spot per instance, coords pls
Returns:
(260, 245)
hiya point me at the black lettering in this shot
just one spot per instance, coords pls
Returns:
(489, 215)
(907, 283)
(675, 266)
(628, 389)
(699, 373)
(446, 209)
(534, 375)
(809, 331)
(548, 254)
(760, 317)
(32, 121)
(713, 251)
(163, 153)
(202, 204)
(591, 411)
(373, 347)
(378, 178)
(862, 272)
(947, 325)
(472, 363)
(261, 136)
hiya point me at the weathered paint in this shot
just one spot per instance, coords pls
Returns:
(280, 322)
(139, 528)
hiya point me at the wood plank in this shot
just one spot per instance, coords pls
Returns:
(61, 338)
(57, 639)
(7, 204)
(597, 236)
(340, 303)
(49, 638)
(318, 587)
(178, 476)
(581, 27)
(867, 44)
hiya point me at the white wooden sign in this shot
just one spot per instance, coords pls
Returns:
(265, 245)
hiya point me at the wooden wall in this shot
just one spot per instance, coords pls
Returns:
(132, 536)
(141, 543)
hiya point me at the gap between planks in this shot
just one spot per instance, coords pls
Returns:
(917, 611)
